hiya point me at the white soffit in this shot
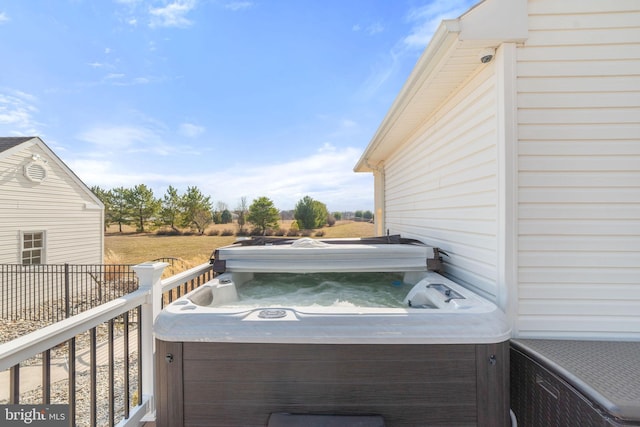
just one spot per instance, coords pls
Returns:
(452, 56)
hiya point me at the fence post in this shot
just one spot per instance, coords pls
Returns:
(66, 290)
(149, 274)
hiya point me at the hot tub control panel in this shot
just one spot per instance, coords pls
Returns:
(446, 291)
(437, 295)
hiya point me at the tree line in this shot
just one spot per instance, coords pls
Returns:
(192, 209)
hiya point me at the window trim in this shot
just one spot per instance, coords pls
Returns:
(43, 247)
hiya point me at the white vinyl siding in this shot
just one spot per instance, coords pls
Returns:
(441, 186)
(55, 206)
(579, 170)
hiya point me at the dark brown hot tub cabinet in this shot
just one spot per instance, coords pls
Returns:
(241, 384)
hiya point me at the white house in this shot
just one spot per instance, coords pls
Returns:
(47, 214)
(514, 146)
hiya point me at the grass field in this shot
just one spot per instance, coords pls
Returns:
(134, 248)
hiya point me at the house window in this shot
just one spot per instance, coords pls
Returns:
(32, 247)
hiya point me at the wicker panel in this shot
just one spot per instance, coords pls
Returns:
(540, 398)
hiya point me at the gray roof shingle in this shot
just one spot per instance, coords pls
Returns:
(12, 141)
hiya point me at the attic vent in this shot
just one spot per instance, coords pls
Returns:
(35, 172)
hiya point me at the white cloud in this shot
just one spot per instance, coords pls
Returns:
(325, 175)
(141, 80)
(138, 139)
(238, 5)
(114, 76)
(190, 130)
(110, 140)
(327, 147)
(424, 21)
(94, 172)
(381, 71)
(427, 18)
(375, 28)
(120, 79)
(347, 123)
(370, 29)
(3, 18)
(172, 15)
(17, 111)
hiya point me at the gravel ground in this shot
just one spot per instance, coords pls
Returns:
(60, 393)
(10, 330)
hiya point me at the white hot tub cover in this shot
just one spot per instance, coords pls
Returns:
(305, 255)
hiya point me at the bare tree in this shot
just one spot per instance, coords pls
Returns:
(201, 219)
(221, 206)
(241, 211)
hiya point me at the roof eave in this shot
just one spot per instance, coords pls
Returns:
(443, 39)
(508, 22)
(17, 144)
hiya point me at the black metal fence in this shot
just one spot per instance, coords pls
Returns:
(52, 292)
(104, 365)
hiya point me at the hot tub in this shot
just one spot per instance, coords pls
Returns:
(439, 358)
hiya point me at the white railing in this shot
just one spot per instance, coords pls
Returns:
(186, 276)
(148, 296)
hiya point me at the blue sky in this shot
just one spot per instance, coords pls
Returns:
(239, 98)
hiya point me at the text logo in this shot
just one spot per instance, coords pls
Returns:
(34, 415)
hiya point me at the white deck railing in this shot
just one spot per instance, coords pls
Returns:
(148, 296)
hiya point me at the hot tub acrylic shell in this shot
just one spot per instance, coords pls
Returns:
(202, 316)
(220, 366)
